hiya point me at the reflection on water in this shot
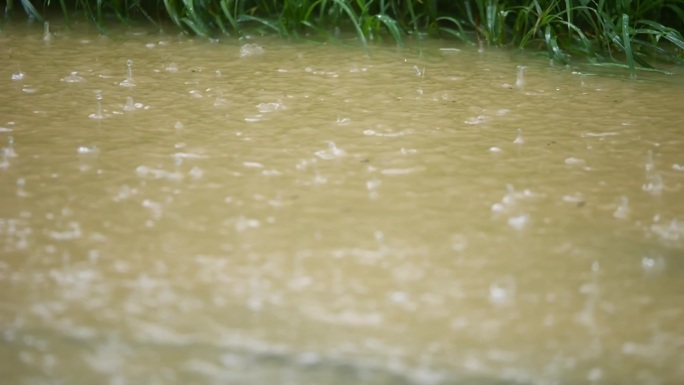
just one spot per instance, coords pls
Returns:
(272, 212)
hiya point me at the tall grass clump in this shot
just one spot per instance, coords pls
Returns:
(636, 34)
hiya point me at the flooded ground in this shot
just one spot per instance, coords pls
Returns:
(182, 211)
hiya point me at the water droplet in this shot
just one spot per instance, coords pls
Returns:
(73, 78)
(622, 211)
(98, 115)
(520, 80)
(519, 139)
(519, 222)
(251, 50)
(502, 291)
(47, 36)
(128, 82)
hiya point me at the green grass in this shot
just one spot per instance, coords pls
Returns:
(638, 34)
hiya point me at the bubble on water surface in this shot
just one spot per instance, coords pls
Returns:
(251, 50)
(18, 75)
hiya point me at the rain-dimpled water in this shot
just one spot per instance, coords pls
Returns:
(182, 210)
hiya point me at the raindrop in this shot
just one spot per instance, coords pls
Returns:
(519, 139)
(650, 166)
(4, 163)
(655, 184)
(19, 75)
(98, 115)
(622, 211)
(84, 150)
(520, 80)
(331, 153)
(251, 50)
(130, 105)
(128, 82)
(21, 183)
(651, 264)
(47, 36)
(73, 78)
(519, 222)
(502, 291)
(9, 150)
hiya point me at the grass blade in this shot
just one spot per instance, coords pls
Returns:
(627, 44)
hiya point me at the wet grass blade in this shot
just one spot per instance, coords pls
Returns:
(266, 23)
(228, 14)
(31, 10)
(459, 33)
(170, 6)
(194, 19)
(627, 44)
(354, 20)
(392, 26)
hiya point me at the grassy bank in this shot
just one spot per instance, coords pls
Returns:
(632, 33)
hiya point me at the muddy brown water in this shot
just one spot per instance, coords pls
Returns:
(271, 212)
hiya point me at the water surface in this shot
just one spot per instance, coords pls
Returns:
(263, 211)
